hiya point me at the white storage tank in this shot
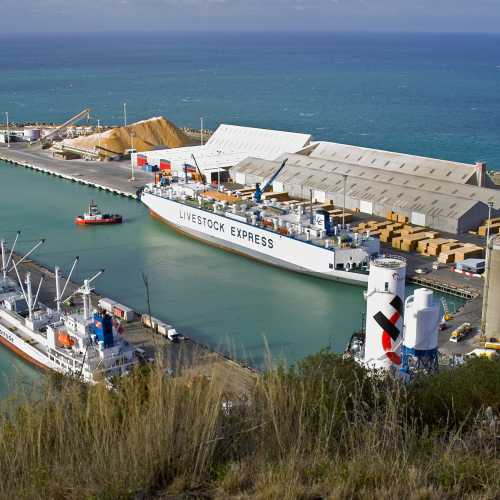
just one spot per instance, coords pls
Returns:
(420, 340)
(421, 321)
(384, 310)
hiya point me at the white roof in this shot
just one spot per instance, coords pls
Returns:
(257, 142)
(231, 144)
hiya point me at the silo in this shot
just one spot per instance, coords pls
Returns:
(491, 303)
(420, 337)
(384, 309)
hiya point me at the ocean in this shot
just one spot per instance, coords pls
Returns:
(424, 94)
(427, 94)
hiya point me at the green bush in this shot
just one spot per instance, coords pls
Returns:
(323, 428)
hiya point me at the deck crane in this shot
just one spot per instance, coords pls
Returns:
(259, 191)
(47, 140)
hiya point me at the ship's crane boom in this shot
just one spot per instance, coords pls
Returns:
(48, 138)
(259, 191)
(202, 177)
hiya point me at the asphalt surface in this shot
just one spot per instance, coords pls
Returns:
(114, 175)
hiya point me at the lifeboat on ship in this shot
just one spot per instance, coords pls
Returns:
(93, 216)
(65, 340)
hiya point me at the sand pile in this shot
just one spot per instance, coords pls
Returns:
(147, 135)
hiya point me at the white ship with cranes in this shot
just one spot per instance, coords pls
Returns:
(292, 234)
(84, 343)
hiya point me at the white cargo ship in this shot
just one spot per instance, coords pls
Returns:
(85, 343)
(291, 234)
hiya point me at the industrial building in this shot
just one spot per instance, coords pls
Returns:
(443, 195)
(227, 146)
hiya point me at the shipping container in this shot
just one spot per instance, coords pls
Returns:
(107, 304)
(165, 165)
(123, 312)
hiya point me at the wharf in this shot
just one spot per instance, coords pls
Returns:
(112, 176)
(186, 358)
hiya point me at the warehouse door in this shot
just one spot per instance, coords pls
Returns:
(319, 196)
(278, 187)
(239, 178)
(418, 218)
(366, 207)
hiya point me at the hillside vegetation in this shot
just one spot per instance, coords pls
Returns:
(322, 429)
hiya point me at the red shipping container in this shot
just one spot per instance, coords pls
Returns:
(165, 165)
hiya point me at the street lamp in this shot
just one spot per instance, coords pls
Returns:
(132, 150)
(8, 131)
(99, 135)
(343, 205)
(490, 206)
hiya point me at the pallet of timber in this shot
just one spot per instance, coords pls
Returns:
(446, 257)
(423, 244)
(494, 229)
(434, 248)
(396, 242)
(446, 247)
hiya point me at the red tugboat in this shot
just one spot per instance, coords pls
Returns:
(95, 217)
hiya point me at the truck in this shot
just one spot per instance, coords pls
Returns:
(459, 333)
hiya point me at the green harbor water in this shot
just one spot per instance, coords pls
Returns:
(217, 298)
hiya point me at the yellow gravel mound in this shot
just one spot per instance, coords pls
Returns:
(145, 135)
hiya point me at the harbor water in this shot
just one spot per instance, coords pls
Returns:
(427, 94)
(229, 302)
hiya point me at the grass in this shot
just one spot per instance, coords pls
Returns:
(323, 429)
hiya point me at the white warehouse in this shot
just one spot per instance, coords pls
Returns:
(228, 145)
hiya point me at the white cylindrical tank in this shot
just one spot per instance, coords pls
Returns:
(384, 311)
(32, 134)
(421, 323)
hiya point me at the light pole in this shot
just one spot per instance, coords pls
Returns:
(99, 135)
(8, 131)
(124, 114)
(343, 205)
(490, 206)
(132, 178)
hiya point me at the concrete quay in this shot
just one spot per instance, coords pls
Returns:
(186, 359)
(111, 176)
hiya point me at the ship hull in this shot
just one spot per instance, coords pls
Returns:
(250, 241)
(22, 348)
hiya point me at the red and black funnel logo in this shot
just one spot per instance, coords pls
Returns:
(390, 332)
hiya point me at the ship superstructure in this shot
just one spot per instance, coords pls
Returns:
(84, 343)
(292, 234)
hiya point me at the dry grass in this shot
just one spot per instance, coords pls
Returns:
(321, 430)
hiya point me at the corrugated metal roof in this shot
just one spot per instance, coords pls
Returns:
(397, 178)
(378, 191)
(430, 168)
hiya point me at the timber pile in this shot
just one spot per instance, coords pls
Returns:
(494, 227)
